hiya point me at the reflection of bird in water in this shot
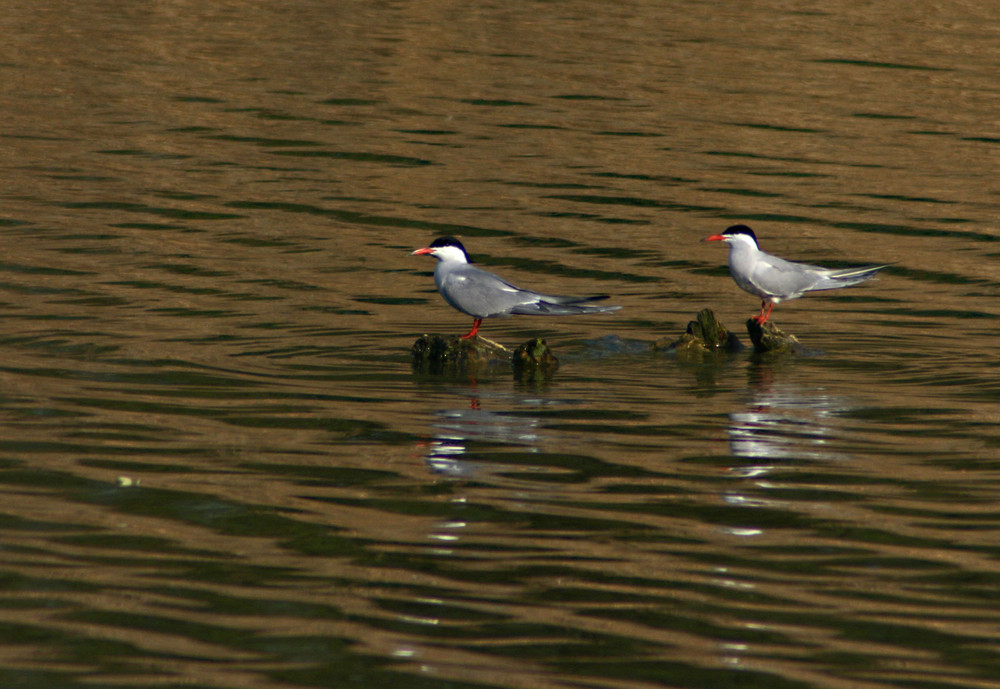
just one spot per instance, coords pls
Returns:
(774, 279)
(455, 429)
(482, 294)
(785, 422)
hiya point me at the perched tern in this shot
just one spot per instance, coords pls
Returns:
(482, 294)
(774, 279)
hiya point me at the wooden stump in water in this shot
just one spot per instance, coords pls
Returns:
(769, 338)
(534, 361)
(704, 335)
(437, 354)
(477, 356)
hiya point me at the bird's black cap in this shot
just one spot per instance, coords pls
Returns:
(448, 240)
(741, 229)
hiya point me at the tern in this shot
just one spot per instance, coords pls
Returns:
(482, 294)
(774, 279)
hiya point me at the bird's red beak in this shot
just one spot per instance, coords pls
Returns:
(421, 252)
(714, 238)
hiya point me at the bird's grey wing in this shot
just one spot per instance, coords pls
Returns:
(482, 294)
(479, 292)
(776, 277)
(787, 279)
(538, 304)
(845, 277)
(543, 307)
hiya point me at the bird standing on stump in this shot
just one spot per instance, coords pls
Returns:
(774, 279)
(482, 294)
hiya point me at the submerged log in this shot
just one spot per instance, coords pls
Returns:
(437, 354)
(704, 335)
(478, 356)
(769, 338)
(534, 361)
(707, 335)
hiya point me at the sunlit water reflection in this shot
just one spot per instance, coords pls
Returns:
(218, 468)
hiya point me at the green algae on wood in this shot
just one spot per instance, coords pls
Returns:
(704, 335)
(478, 356)
(534, 361)
(769, 338)
(475, 355)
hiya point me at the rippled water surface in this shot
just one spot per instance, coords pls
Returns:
(218, 469)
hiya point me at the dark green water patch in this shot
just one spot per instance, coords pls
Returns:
(359, 157)
(880, 65)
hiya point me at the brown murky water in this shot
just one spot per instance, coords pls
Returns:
(218, 469)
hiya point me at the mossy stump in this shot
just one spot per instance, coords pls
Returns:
(437, 354)
(704, 335)
(478, 355)
(769, 338)
(534, 360)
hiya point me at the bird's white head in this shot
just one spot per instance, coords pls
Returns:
(445, 249)
(736, 235)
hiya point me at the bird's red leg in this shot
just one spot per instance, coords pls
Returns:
(764, 316)
(763, 305)
(475, 328)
